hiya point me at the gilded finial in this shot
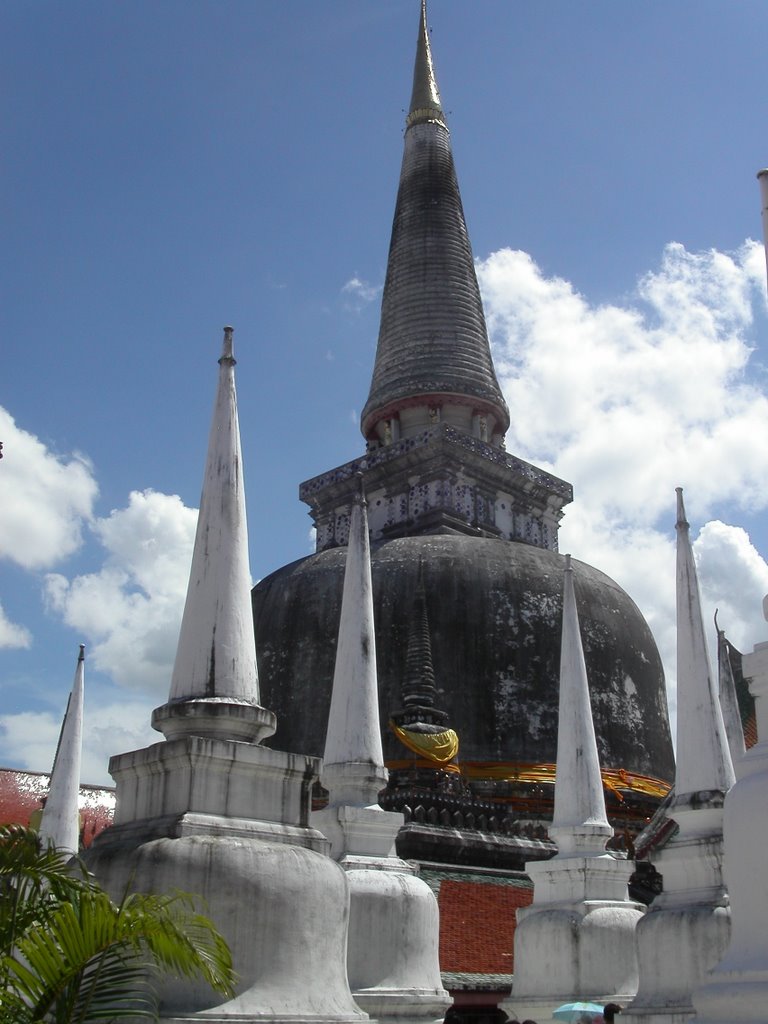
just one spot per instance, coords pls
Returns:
(425, 98)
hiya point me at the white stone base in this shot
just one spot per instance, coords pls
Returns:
(414, 1006)
(282, 909)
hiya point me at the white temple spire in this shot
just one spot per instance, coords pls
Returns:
(60, 822)
(578, 934)
(214, 686)
(579, 823)
(353, 763)
(703, 757)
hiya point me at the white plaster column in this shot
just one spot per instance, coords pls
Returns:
(576, 940)
(60, 821)
(392, 958)
(736, 991)
(687, 926)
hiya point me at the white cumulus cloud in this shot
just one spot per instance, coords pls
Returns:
(629, 400)
(130, 610)
(12, 634)
(360, 292)
(47, 499)
(30, 737)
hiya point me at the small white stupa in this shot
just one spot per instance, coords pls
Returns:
(736, 991)
(687, 927)
(576, 940)
(211, 812)
(60, 821)
(392, 956)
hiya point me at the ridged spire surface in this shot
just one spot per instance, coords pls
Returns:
(214, 686)
(60, 821)
(433, 341)
(579, 823)
(353, 762)
(419, 684)
(703, 757)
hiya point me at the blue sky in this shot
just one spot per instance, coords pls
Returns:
(173, 167)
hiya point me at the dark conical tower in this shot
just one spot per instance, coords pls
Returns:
(433, 359)
(444, 494)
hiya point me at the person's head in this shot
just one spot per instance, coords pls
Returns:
(610, 1010)
(529, 1022)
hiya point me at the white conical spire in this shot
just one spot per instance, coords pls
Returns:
(729, 704)
(60, 822)
(215, 687)
(703, 758)
(353, 769)
(579, 824)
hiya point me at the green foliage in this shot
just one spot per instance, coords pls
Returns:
(69, 955)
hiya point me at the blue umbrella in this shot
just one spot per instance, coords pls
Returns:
(573, 1012)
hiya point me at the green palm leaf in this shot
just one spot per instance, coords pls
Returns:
(72, 956)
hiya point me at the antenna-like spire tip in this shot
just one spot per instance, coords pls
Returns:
(81, 655)
(226, 352)
(681, 520)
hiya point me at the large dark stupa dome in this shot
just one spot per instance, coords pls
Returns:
(494, 612)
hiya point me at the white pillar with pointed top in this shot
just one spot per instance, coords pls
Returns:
(736, 991)
(215, 686)
(392, 953)
(60, 821)
(353, 762)
(687, 927)
(576, 940)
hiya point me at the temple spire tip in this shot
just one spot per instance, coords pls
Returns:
(425, 98)
(227, 351)
(681, 520)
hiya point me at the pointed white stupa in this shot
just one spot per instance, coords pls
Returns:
(393, 950)
(215, 686)
(703, 756)
(353, 762)
(729, 704)
(579, 822)
(687, 927)
(736, 991)
(60, 822)
(576, 940)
